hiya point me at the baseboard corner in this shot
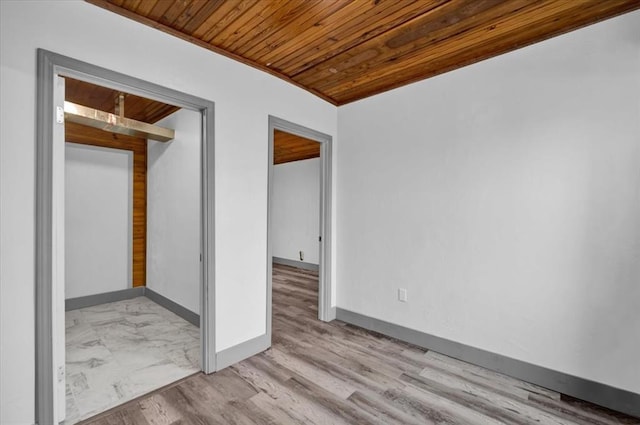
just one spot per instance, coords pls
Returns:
(239, 352)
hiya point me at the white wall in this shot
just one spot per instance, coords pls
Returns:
(244, 99)
(173, 211)
(295, 213)
(98, 219)
(505, 197)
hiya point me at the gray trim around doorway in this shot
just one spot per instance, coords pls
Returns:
(325, 311)
(50, 65)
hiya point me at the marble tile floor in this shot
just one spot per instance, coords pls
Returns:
(118, 351)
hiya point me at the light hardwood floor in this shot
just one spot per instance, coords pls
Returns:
(334, 373)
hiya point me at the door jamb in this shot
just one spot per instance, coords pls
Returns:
(50, 65)
(326, 312)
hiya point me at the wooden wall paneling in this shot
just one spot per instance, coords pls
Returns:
(77, 133)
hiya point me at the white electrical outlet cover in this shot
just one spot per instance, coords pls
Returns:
(402, 295)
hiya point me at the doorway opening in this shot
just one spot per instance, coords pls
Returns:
(132, 248)
(299, 239)
(88, 148)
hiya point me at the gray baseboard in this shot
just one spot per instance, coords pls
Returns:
(296, 264)
(173, 307)
(126, 294)
(584, 389)
(244, 350)
(108, 297)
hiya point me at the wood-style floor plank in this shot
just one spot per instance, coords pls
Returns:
(336, 373)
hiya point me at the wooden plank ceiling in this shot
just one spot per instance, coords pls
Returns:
(345, 50)
(104, 99)
(289, 147)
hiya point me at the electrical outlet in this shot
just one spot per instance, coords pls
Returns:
(301, 255)
(402, 295)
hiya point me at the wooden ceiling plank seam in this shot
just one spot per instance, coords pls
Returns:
(473, 56)
(284, 35)
(103, 98)
(441, 40)
(81, 92)
(154, 108)
(313, 45)
(323, 25)
(282, 136)
(229, 19)
(281, 11)
(291, 12)
(161, 112)
(476, 36)
(354, 32)
(369, 74)
(131, 4)
(295, 145)
(159, 9)
(344, 63)
(300, 12)
(174, 12)
(299, 151)
(299, 154)
(429, 14)
(292, 143)
(284, 160)
(239, 25)
(145, 7)
(213, 19)
(290, 147)
(149, 22)
(190, 12)
(251, 25)
(203, 14)
(470, 38)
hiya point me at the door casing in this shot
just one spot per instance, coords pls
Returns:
(50, 259)
(326, 312)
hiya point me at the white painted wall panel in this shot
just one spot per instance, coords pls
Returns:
(296, 210)
(505, 197)
(173, 211)
(98, 219)
(244, 98)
